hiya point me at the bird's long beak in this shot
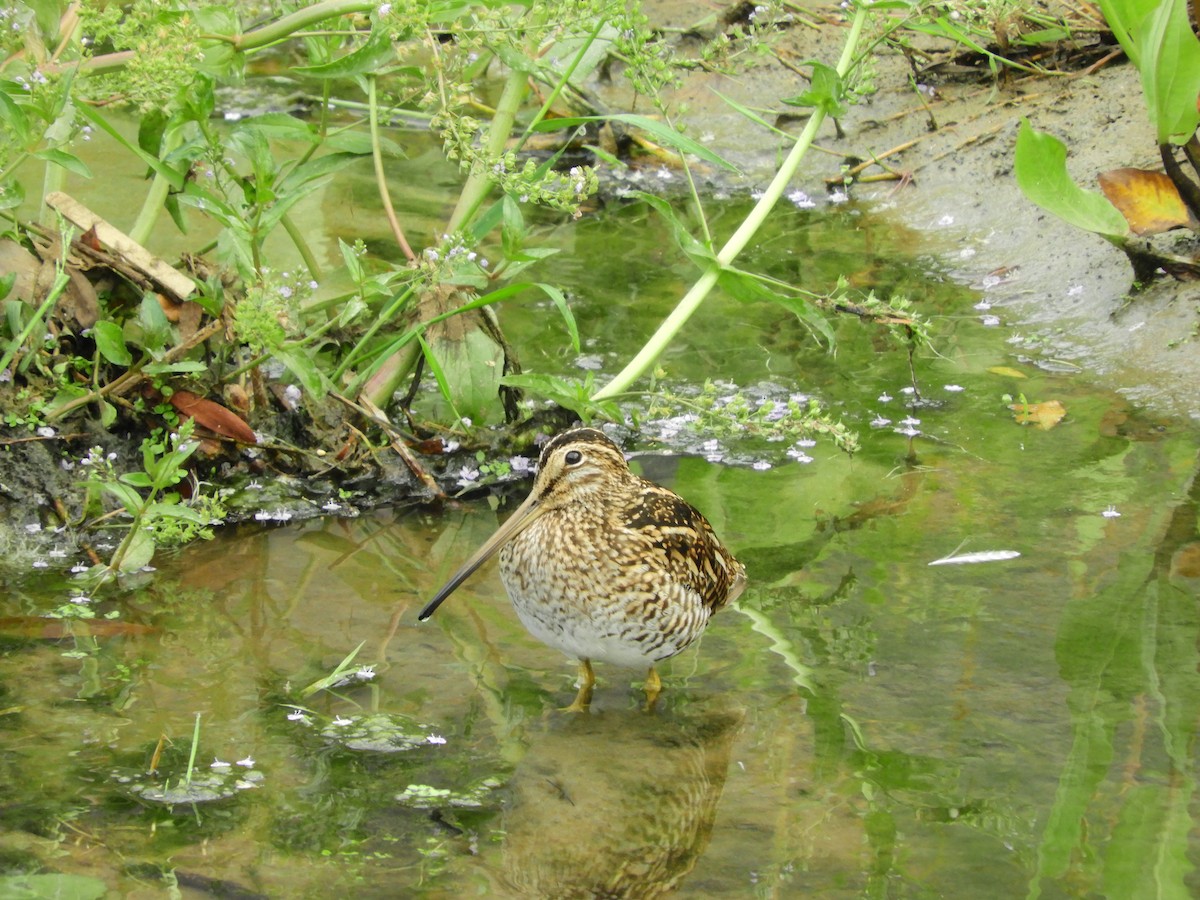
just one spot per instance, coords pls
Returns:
(524, 516)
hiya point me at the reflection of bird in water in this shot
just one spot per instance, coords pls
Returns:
(614, 805)
(605, 565)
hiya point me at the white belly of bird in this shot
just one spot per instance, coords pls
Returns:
(670, 624)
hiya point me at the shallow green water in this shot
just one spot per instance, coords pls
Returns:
(863, 724)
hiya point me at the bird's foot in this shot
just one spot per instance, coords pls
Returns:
(652, 687)
(587, 681)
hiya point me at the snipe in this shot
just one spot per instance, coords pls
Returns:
(604, 565)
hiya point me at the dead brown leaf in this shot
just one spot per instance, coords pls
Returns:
(1148, 200)
(213, 416)
(1044, 415)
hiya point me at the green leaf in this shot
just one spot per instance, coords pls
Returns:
(702, 255)
(572, 395)
(110, 341)
(16, 123)
(662, 133)
(139, 552)
(564, 310)
(372, 55)
(108, 414)
(747, 288)
(825, 91)
(1040, 165)
(153, 322)
(68, 161)
(1170, 68)
(302, 365)
(174, 177)
(137, 480)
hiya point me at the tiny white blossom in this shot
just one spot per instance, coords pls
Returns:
(246, 762)
(1111, 513)
(219, 764)
(385, 8)
(365, 673)
(46, 431)
(435, 739)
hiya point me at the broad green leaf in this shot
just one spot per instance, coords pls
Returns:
(68, 161)
(1040, 165)
(108, 414)
(153, 322)
(1170, 68)
(661, 132)
(372, 55)
(14, 119)
(825, 91)
(110, 341)
(1125, 17)
(139, 552)
(302, 365)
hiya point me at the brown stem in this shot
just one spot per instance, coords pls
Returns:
(1189, 191)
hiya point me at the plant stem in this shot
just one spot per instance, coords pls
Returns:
(61, 280)
(284, 28)
(160, 187)
(737, 242)
(478, 182)
(385, 196)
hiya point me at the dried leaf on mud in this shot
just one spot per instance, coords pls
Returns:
(213, 416)
(1148, 200)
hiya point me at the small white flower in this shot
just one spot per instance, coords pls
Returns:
(385, 8)
(885, 398)
(219, 764)
(297, 715)
(46, 431)
(990, 321)
(246, 763)
(32, 528)
(435, 739)
(1110, 512)
(331, 506)
(761, 464)
(953, 388)
(365, 673)
(341, 721)
(292, 393)
(519, 464)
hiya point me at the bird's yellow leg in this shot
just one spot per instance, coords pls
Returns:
(653, 688)
(587, 681)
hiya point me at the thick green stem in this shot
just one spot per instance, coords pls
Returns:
(478, 182)
(737, 242)
(156, 197)
(285, 28)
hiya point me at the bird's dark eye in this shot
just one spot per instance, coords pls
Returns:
(573, 457)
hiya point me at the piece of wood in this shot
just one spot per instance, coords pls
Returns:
(174, 282)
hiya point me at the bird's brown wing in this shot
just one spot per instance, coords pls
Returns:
(695, 557)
